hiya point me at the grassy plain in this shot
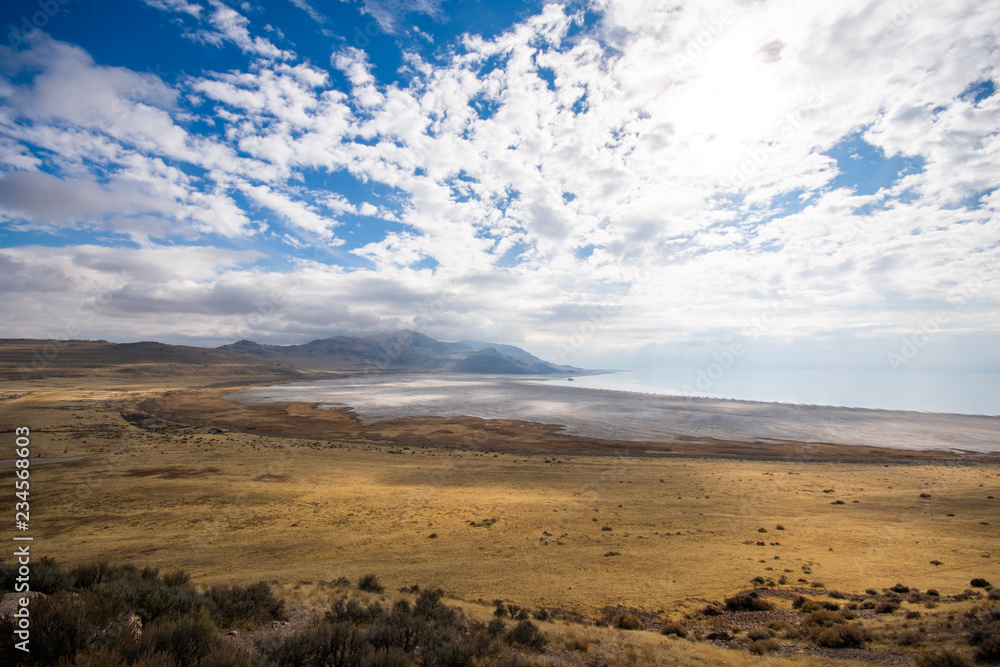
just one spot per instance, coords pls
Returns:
(665, 534)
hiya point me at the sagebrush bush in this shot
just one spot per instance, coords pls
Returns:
(527, 634)
(146, 593)
(47, 577)
(337, 643)
(245, 606)
(187, 638)
(496, 627)
(762, 646)
(630, 622)
(886, 607)
(989, 651)
(911, 637)
(370, 583)
(943, 658)
(387, 657)
(851, 635)
(227, 653)
(674, 629)
(748, 602)
(64, 623)
(760, 633)
(824, 618)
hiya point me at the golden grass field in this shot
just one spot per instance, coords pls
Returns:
(533, 528)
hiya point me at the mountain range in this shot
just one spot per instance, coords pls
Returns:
(401, 351)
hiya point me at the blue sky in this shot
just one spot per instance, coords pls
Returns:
(604, 183)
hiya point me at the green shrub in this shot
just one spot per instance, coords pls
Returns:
(979, 582)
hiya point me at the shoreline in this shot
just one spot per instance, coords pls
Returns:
(635, 417)
(212, 408)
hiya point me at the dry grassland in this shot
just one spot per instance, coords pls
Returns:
(575, 532)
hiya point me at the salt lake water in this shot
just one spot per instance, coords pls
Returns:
(586, 406)
(961, 393)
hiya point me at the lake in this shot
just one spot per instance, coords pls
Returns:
(630, 415)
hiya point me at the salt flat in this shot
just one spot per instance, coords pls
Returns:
(622, 415)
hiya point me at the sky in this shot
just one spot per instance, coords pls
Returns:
(606, 183)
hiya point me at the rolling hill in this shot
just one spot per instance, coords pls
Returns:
(401, 351)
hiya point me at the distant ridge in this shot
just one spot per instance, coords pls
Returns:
(402, 351)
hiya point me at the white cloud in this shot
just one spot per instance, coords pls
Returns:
(297, 213)
(310, 10)
(637, 164)
(180, 6)
(389, 13)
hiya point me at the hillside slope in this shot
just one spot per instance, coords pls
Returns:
(401, 351)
